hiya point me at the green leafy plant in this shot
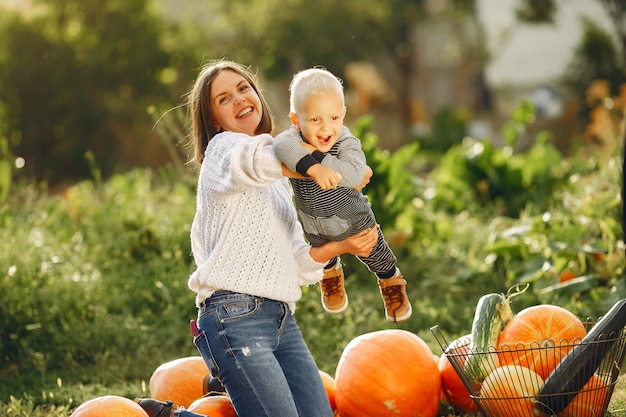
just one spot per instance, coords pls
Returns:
(478, 171)
(392, 189)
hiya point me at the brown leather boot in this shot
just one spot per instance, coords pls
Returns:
(156, 408)
(397, 305)
(334, 297)
(212, 386)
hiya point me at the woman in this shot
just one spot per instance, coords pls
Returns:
(250, 253)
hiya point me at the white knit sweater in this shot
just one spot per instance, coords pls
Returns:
(245, 236)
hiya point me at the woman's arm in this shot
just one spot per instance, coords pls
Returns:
(291, 174)
(360, 244)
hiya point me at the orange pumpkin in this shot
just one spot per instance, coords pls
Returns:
(566, 275)
(110, 406)
(387, 373)
(454, 390)
(179, 381)
(441, 396)
(214, 406)
(330, 387)
(538, 337)
(590, 401)
(511, 391)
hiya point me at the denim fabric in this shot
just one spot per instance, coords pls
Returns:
(255, 347)
(181, 412)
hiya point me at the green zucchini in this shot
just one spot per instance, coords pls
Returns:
(493, 312)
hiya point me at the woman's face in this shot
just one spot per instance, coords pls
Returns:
(235, 105)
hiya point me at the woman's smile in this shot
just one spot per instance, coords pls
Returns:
(236, 105)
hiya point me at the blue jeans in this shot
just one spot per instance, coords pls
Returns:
(186, 413)
(255, 347)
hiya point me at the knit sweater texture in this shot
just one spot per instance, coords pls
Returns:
(245, 236)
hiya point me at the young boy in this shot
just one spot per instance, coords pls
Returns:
(322, 149)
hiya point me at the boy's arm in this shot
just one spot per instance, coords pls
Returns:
(350, 161)
(288, 149)
(300, 157)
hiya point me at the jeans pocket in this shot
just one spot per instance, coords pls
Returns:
(237, 309)
(202, 344)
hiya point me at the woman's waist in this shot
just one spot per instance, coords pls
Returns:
(227, 297)
(223, 288)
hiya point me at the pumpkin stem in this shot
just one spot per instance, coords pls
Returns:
(510, 294)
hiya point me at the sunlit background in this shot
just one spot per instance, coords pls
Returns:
(95, 77)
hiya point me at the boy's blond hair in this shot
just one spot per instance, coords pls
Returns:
(312, 81)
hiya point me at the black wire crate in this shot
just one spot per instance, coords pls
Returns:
(515, 381)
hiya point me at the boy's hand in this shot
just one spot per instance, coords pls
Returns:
(326, 178)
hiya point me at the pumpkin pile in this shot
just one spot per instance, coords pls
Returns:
(507, 361)
(383, 373)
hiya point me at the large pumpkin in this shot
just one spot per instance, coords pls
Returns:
(179, 381)
(387, 373)
(109, 406)
(214, 406)
(454, 390)
(538, 337)
(511, 391)
(590, 401)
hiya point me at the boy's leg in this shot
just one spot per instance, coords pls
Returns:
(397, 304)
(391, 283)
(334, 297)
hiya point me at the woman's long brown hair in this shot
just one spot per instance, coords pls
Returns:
(199, 105)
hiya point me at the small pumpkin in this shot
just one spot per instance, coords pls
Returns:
(110, 406)
(329, 385)
(567, 275)
(590, 401)
(214, 406)
(454, 389)
(511, 391)
(538, 337)
(388, 372)
(179, 380)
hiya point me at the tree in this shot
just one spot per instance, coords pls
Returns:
(596, 56)
(616, 10)
(78, 77)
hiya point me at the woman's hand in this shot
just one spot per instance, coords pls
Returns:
(360, 244)
(366, 178)
(289, 173)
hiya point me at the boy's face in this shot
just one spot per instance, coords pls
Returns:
(322, 120)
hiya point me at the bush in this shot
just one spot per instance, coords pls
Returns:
(96, 277)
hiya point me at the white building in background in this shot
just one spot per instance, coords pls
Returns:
(523, 54)
(524, 61)
(530, 60)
